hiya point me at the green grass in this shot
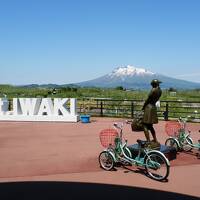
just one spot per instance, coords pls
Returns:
(13, 91)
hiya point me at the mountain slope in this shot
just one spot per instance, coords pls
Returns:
(136, 78)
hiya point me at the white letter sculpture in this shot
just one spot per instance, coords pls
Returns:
(37, 109)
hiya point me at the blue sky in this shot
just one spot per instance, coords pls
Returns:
(68, 41)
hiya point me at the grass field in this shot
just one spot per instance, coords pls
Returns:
(116, 93)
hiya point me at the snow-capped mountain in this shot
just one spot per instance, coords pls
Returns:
(130, 71)
(131, 77)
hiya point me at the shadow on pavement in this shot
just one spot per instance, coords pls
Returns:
(74, 190)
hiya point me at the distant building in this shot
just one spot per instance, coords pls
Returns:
(172, 94)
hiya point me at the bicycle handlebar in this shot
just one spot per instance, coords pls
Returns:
(181, 120)
(118, 125)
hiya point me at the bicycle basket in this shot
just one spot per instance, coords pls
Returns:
(107, 137)
(172, 128)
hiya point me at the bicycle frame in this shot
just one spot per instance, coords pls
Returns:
(120, 155)
(183, 136)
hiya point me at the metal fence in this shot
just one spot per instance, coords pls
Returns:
(127, 108)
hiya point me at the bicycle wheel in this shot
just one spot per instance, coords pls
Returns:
(187, 144)
(106, 160)
(156, 166)
(171, 142)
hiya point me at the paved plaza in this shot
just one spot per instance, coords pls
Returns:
(68, 152)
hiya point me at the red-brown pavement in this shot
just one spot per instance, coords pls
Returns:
(44, 151)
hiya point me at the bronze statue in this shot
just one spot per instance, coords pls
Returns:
(150, 112)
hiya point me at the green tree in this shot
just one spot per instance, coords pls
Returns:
(119, 88)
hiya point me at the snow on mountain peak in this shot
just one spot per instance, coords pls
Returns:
(130, 71)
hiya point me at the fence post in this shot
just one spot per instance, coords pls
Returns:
(166, 113)
(132, 109)
(10, 105)
(101, 109)
(97, 103)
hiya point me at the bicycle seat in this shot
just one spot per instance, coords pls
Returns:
(141, 143)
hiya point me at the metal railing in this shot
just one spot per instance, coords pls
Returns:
(127, 108)
(107, 107)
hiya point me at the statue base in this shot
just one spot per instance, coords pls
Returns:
(169, 152)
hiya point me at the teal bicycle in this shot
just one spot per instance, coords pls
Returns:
(179, 136)
(154, 162)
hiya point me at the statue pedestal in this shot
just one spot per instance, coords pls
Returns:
(169, 152)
